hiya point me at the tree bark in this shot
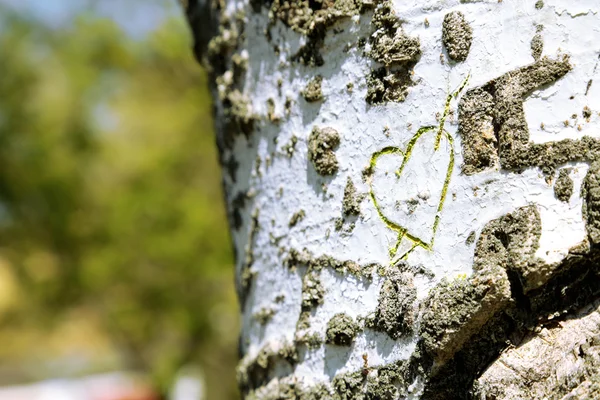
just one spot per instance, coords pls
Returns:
(414, 194)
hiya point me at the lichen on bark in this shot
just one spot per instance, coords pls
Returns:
(395, 313)
(312, 19)
(351, 200)
(322, 143)
(312, 92)
(537, 46)
(563, 188)
(398, 53)
(590, 192)
(457, 35)
(341, 330)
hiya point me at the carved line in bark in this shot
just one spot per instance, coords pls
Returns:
(398, 227)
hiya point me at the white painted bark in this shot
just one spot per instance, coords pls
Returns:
(277, 185)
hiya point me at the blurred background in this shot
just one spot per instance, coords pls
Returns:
(116, 273)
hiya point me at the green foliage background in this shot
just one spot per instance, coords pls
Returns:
(114, 251)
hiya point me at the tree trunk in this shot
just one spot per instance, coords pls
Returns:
(413, 192)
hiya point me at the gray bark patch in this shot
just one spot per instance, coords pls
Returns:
(475, 113)
(455, 310)
(297, 217)
(397, 51)
(312, 92)
(384, 85)
(264, 315)
(457, 35)
(351, 201)
(501, 109)
(313, 290)
(312, 19)
(509, 241)
(247, 274)
(537, 46)
(237, 204)
(321, 145)
(341, 330)
(395, 312)
(255, 372)
(289, 148)
(563, 188)
(590, 192)
(383, 382)
(391, 46)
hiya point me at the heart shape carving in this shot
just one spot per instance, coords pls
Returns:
(408, 186)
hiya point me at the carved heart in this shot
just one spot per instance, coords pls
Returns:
(419, 185)
(409, 187)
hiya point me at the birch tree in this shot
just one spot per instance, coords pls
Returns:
(414, 194)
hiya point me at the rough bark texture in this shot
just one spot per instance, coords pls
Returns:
(559, 360)
(414, 194)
